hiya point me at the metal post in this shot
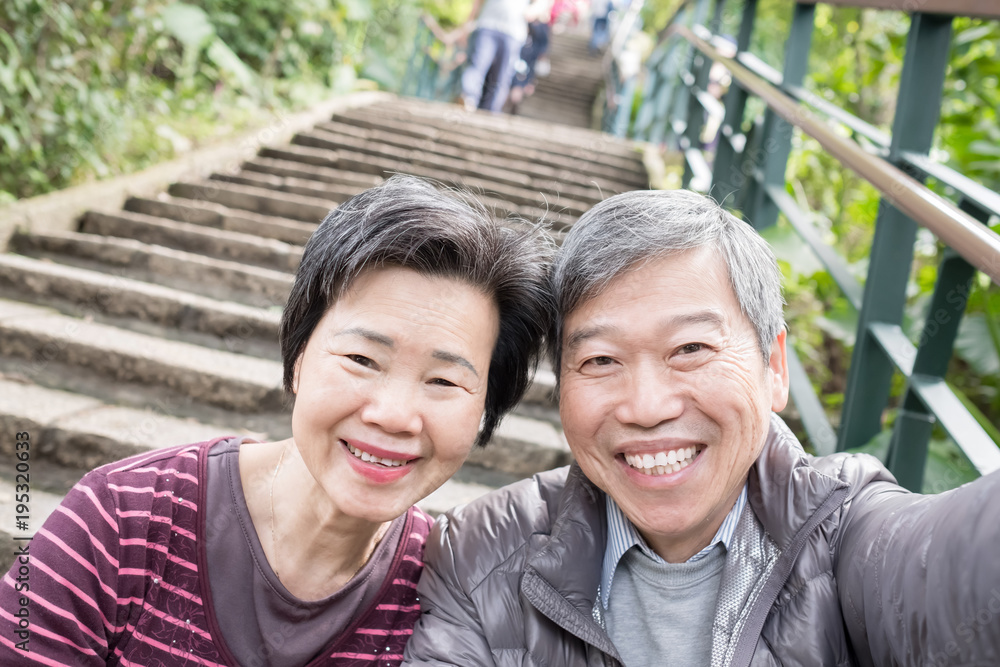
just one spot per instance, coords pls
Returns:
(777, 140)
(917, 111)
(623, 112)
(726, 178)
(911, 433)
(680, 100)
(701, 65)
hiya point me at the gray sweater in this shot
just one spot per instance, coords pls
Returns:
(661, 613)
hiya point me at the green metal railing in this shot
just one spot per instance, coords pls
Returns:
(747, 171)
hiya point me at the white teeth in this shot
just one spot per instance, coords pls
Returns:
(365, 456)
(662, 463)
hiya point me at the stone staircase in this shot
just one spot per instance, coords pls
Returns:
(566, 96)
(156, 324)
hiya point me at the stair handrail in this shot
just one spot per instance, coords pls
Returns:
(976, 243)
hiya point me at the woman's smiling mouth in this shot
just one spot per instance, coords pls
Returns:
(371, 458)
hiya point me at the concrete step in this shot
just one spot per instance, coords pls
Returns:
(82, 432)
(399, 132)
(531, 206)
(259, 200)
(465, 161)
(576, 196)
(294, 185)
(471, 160)
(39, 335)
(215, 278)
(209, 241)
(327, 157)
(126, 302)
(221, 217)
(614, 180)
(523, 131)
(292, 169)
(537, 133)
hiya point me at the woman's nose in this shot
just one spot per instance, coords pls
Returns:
(393, 406)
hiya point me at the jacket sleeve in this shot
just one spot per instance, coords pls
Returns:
(919, 576)
(58, 602)
(449, 631)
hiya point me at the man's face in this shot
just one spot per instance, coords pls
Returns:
(665, 396)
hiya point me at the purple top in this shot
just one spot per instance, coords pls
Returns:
(256, 613)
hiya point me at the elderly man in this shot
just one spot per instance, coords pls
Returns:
(693, 529)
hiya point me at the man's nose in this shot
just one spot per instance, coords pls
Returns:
(650, 397)
(393, 406)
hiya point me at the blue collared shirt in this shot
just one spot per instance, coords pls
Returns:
(622, 536)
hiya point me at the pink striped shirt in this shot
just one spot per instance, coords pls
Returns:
(117, 575)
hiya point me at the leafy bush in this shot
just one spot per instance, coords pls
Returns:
(93, 89)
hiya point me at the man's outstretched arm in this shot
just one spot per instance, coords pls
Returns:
(919, 576)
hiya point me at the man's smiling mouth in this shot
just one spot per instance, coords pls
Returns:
(663, 462)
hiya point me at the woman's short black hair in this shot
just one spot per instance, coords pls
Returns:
(406, 222)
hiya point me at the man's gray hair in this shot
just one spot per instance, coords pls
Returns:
(630, 229)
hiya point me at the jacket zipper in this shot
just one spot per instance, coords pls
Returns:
(747, 641)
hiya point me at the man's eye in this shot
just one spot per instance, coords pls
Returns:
(361, 360)
(599, 361)
(691, 348)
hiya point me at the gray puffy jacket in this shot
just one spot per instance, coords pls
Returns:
(832, 564)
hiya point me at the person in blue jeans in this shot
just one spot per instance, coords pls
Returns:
(601, 34)
(501, 30)
(537, 45)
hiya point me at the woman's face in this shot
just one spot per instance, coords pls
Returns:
(391, 387)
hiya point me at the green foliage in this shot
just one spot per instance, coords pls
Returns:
(89, 90)
(969, 133)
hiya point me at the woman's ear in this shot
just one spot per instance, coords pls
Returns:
(295, 375)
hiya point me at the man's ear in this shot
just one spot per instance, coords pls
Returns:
(778, 370)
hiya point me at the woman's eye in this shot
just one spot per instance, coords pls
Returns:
(691, 348)
(599, 361)
(361, 360)
(441, 382)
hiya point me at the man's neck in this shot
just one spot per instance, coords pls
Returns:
(680, 548)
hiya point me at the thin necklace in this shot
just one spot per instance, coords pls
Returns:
(379, 534)
(274, 542)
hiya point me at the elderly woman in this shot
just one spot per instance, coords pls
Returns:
(413, 326)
